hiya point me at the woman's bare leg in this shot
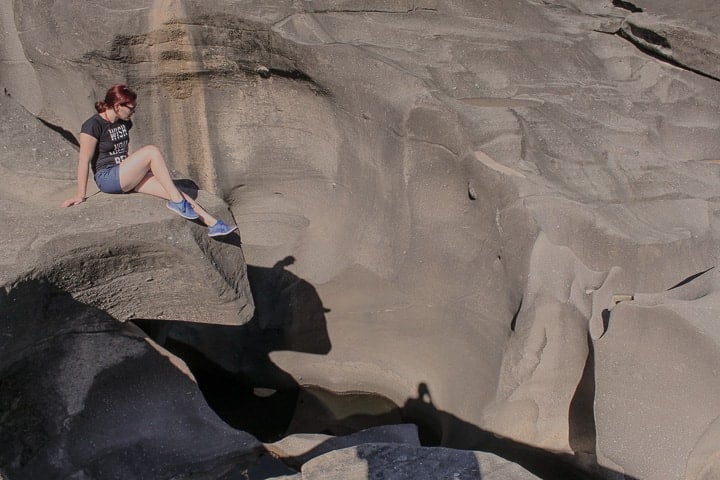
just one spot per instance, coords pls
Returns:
(151, 186)
(134, 169)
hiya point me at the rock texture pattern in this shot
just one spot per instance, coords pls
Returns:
(501, 215)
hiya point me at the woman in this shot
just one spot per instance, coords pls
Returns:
(104, 140)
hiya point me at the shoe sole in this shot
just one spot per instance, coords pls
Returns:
(222, 234)
(182, 214)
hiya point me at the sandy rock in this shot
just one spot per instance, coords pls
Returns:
(448, 194)
(655, 383)
(704, 461)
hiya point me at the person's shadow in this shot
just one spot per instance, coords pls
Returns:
(459, 439)
(443, 429)
(232, 364)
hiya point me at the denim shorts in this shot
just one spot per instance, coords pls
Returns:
(108, 179)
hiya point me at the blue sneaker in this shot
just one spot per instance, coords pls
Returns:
(183, 209)
(221, 229)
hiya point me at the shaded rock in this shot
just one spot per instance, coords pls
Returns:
(321, 410)
(84, 396)
(298, 449)
(407, 462)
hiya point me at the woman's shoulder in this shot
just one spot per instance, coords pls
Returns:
(92, 123)
(96, 124)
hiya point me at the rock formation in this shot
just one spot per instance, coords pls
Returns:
(499, 215)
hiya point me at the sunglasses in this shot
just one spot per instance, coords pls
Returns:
(129, 106)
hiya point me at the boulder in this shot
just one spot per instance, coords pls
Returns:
(118, 253)
(378, 460)
(85, 396)
(299, 448)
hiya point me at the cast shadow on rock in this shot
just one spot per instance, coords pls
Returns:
(451, 431)
(187, 185)
(582, 432)
(439, 428)
(232, 363)
(83, 395)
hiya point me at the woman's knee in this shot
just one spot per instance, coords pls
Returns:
(150, 151)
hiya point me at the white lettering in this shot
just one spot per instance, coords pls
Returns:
(118, 133)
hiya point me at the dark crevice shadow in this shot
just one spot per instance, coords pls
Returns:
(232, 395)
(300, 76)
(661, 42)
(606, 321)
(582, 431)
(82, 395)
(690, 278)
(629, 6)
(513, 322)
(231, 363)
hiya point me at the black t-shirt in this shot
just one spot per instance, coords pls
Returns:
(112, 137)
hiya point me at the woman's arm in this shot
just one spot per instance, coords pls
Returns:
(87, 149)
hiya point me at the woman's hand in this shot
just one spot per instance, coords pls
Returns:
(87, 147)
(73, 201)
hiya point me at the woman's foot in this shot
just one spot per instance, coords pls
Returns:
(183, 208)
(221, 229)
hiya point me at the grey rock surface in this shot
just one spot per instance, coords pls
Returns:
(448, 195)
(84, 396)
(652, 335)
(298, 449)
(685, 33)
(386, 461)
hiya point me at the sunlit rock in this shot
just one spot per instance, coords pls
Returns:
(477, 210)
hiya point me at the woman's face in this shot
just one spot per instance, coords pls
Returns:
(125, 110)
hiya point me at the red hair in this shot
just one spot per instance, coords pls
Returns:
(117, 94)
